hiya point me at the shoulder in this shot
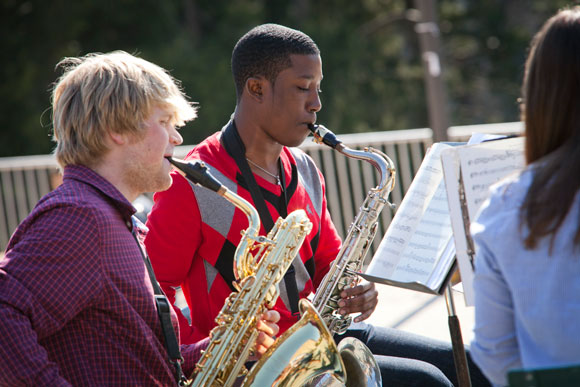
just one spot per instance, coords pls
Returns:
(74, 200)
(64, 220)
(310, 175)
(510, 192)
(214, 155)
(208, 147)
(301, 158)
(305, 166)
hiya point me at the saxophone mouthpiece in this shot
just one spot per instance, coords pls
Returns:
(197, 173)
(323, 135)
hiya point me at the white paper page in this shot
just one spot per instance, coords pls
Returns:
(486, 164)
(441, 270)
(450, 163)
(420, 229)
(480, 166)
(477, 137)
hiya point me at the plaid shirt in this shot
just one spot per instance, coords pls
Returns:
(76, 302)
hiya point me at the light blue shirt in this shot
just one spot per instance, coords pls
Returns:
(527, 302)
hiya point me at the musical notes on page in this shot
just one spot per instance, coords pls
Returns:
(431, 225)
(420, 231)
(469, 172)
(486, 164)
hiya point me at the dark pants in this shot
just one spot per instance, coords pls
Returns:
(407, 359)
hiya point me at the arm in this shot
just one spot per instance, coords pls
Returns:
(495, 346)
(191, 354)
(24, 361)
(172, 241)
(41, 291)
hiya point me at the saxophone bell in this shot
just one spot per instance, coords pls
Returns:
(303, 354)
(360, 367)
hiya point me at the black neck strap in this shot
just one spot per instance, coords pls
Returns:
(164, 314)
(235, 147)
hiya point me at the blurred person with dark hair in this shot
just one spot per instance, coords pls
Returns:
(193, 232)
(527, 268)
(77, 303)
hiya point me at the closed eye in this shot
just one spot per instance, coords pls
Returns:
(308, 89)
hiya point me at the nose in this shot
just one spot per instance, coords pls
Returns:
(174, 137)
(314, 104)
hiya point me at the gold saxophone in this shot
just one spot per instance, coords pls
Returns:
(260, 264)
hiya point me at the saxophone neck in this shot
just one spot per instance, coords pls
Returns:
(244, 262)
(382, 163)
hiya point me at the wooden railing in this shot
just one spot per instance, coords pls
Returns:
(24, 180)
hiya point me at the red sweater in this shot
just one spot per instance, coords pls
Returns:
(193, 234)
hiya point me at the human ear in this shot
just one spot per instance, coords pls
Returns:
(255, 88)
(117, 138)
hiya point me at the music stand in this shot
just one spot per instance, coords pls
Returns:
(459, 355)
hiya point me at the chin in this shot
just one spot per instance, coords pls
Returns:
(299, 141)
(166, 183)
(161, 182)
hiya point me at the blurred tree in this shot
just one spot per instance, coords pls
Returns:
(485, 48)
(373, 79)
(37, 34)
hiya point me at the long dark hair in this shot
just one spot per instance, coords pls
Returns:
(551, 113)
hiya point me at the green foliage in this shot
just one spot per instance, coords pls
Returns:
(373, 75)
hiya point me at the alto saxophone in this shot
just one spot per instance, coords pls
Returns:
(260, 264)
(350, 259)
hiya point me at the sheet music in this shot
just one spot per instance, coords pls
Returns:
(430, 227)
(420, 230)
(486, 164)
(478, 167)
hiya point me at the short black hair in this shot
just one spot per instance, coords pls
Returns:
(265, 50)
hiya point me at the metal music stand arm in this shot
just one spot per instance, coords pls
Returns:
(459, 355)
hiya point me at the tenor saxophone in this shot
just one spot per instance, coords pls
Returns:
(350, 259)
(358, 359)
(260, 264)
(282, 364)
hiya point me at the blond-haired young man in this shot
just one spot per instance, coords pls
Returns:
(77, 302)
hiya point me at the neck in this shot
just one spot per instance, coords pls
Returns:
(112, 173)
(260, 147)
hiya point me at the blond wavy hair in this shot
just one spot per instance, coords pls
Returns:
(112, 92)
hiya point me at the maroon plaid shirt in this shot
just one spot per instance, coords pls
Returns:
(76, 302)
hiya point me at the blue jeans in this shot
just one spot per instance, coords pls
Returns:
(407, 359)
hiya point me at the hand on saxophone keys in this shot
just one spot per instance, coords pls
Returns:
(362, 299)
(268, 328)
